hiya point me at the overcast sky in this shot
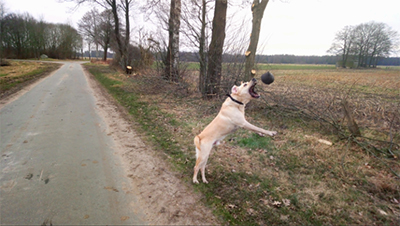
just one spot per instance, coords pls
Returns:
(299, 27)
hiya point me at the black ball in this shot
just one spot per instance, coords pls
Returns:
(267, 78)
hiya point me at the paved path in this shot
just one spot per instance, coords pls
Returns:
(58, 165)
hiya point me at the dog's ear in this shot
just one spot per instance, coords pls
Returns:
(234, 90)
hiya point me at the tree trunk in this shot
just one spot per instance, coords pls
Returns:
(127, 59)
(172, 61)
(113, 4)
(202, 50)
(90, 52)
(213, 79)
(258, 12)
(105, 49)
(97, 51)
(345, 54)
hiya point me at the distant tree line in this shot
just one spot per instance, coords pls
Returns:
(97, 54)
(22, 37)
(364, 45)
(285, 59)
(389, 61)
(292, 59)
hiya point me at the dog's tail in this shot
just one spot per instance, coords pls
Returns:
(197, 143)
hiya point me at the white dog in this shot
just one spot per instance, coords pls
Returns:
(229, 119)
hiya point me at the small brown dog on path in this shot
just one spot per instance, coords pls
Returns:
(229, 119)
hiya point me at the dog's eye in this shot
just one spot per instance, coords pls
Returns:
(245, 85)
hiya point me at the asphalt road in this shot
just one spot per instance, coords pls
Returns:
(58, 165)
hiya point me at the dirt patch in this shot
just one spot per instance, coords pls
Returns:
(162, 196)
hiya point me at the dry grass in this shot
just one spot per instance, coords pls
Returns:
(291, 179)
(373, 95)
(21, 73)
(19, 68)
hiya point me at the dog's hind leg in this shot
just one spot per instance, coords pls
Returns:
(197, 166)
(202, 154)
(201, 162)
(197, 143)
(203, 170)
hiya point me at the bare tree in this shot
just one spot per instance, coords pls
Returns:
(195, 25)
(41, 37)
(202, 48)
(382, 44)
(35, 36)
(343, 44)
(89, 28)
(14, 34)
(172, 61)
(113, 6)
(257, 8)
(362, 41)
(213, 78)
(126, 4)
(114, 10)
(105, 32)
(365, 43)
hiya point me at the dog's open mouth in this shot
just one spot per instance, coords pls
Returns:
(252, 92)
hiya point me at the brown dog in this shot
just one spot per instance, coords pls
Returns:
(229, 119)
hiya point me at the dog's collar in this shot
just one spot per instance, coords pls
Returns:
(234, 100)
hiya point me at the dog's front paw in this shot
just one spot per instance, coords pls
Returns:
(272, 133)
(195, 181)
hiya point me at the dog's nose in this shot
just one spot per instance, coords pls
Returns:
(254, 80)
